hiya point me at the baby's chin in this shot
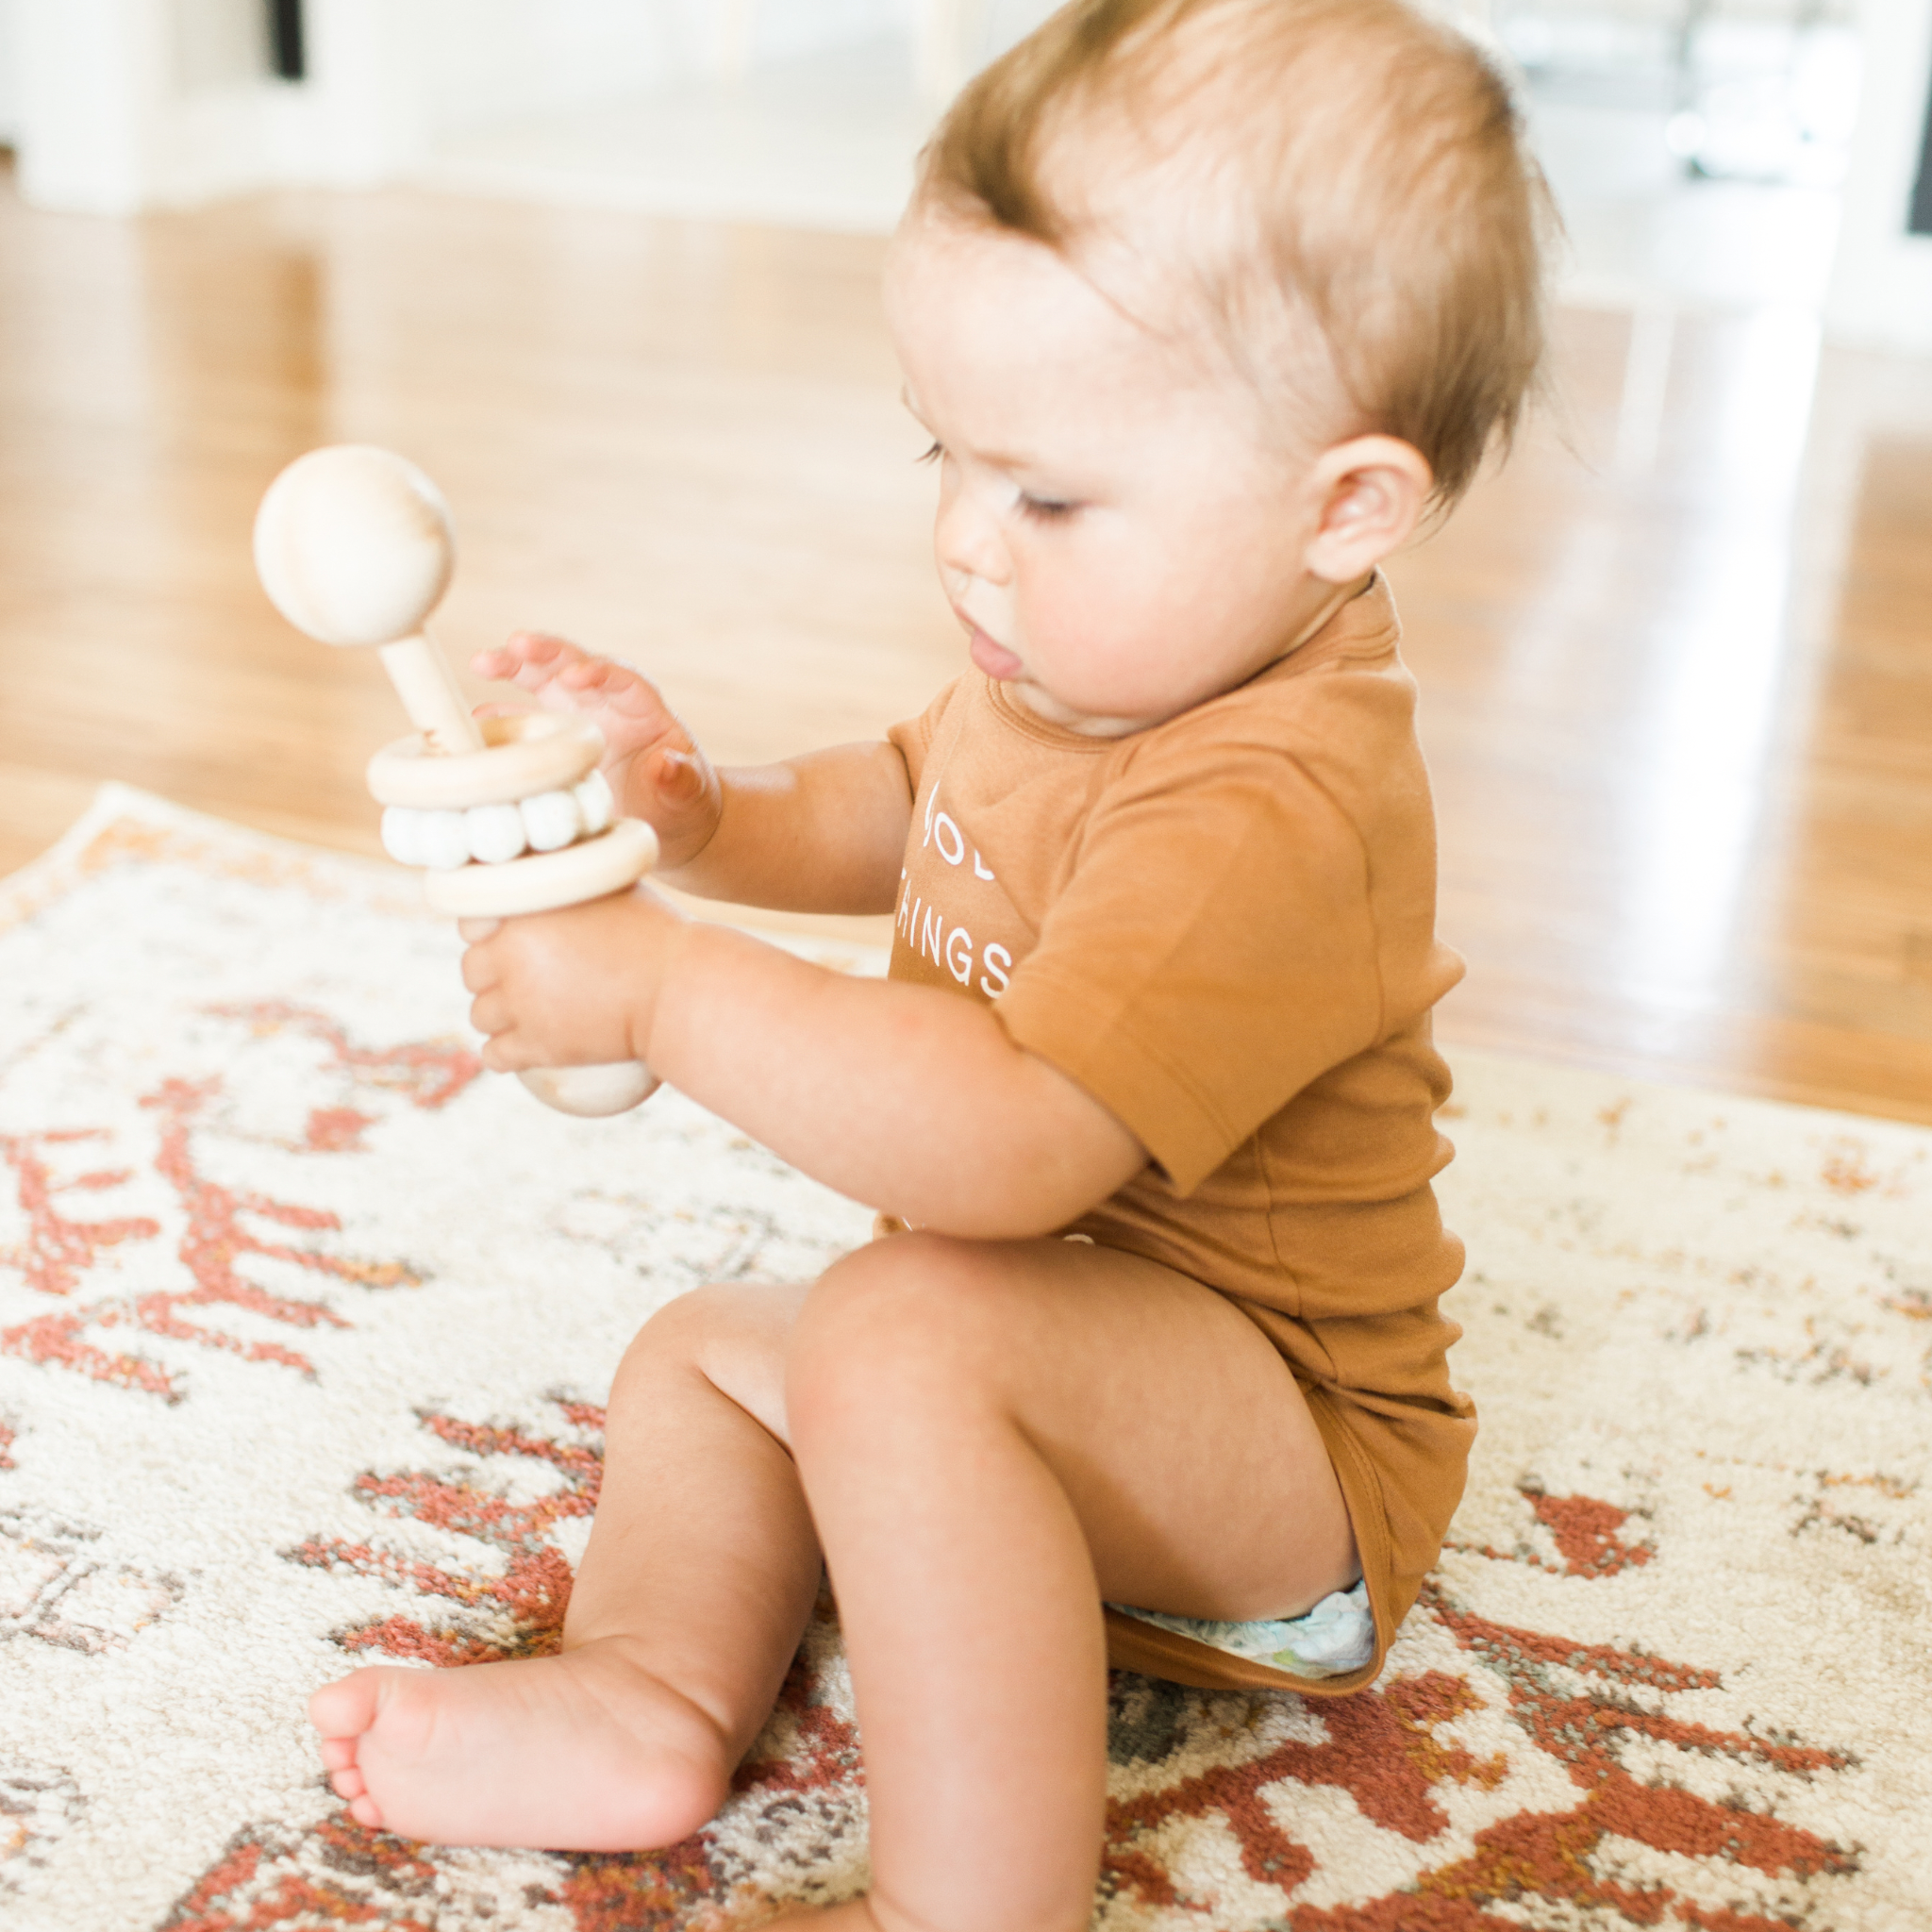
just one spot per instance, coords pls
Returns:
(1052, 711)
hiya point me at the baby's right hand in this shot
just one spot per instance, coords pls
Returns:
(655, 766)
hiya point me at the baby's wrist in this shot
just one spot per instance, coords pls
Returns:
(671, 935)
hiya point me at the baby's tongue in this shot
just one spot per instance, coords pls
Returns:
(994, 659)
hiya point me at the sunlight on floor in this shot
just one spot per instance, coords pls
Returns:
(1709, 703)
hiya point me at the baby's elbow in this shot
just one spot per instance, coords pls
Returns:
(1000, 1221)
(1026, 1201)
(1028, 1166)
(996, 1221)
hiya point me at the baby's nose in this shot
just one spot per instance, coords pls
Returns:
(968, 544)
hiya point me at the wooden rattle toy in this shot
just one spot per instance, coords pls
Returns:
(509, 815)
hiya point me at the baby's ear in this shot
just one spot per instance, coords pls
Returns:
(1370, 493)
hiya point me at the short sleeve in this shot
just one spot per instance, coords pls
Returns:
(1212, 952)
(914, 739)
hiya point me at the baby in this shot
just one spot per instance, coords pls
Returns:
(1206, 305)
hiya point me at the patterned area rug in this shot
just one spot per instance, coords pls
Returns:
(303, 1325)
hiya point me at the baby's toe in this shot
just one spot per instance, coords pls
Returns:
(365, 1810)
(339, 1753)
(348, 1783)
(341, 1711)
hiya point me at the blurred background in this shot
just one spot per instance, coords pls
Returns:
(1702, 150)
(608, 269)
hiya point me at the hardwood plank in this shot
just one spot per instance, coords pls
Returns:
(1677, 689)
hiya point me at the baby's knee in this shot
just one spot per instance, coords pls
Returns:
(910, 1291)
(679, 1323)
(695, 1330)
(910, 1322)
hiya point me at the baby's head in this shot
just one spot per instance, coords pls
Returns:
(1305, 230)
(1272, 170)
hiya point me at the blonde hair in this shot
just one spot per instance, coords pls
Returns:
(1353, 162)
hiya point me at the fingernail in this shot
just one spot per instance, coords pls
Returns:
(678, 775)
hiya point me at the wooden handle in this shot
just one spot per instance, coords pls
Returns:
(483, 896)
(430, 695)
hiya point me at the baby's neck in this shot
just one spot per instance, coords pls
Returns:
(1029, 697)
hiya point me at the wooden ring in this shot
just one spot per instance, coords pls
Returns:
(542, 881)
(524, 754)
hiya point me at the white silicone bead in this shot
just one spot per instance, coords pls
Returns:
(551, 821)
(445, 840)
(495, 832)
(402, 834)
(596, 804)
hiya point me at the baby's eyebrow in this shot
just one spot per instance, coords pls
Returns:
(993, 458)
(1015, 465)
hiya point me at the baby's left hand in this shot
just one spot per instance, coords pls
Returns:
(577, 987)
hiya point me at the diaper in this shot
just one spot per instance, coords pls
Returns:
(1336, 1637)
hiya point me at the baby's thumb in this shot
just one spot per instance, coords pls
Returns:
(677, 778)
(684, 804)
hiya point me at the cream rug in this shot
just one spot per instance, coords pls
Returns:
(303, 1325)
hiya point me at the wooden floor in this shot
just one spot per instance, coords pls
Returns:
(1677, 656)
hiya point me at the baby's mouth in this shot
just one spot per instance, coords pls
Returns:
(994, 659)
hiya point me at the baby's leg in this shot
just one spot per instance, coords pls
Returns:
(993, 1437)
(701, 1571)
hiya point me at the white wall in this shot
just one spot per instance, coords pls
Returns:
(9, 78)
(1881, 282)
(484, 61)
(84, 78)
(130, 104)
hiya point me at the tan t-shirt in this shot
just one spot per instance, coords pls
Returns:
(1224, 929)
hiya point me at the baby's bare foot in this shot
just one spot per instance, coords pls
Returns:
(583, 1751)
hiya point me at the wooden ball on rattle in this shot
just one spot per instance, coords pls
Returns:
(354, 545)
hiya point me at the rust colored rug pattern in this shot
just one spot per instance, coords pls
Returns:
(304, 1327)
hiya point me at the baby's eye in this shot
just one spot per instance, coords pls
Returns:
(1046, 509)
(932, 455)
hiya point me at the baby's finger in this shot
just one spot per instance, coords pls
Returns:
(504, 1056)
(479, 971)
(677, 777)
(611, 678)
(490, 1013)
(524, 647)
(529, 659)
(539, 647)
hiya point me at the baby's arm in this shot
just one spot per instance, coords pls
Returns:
(904, 1097)
(822, 833)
